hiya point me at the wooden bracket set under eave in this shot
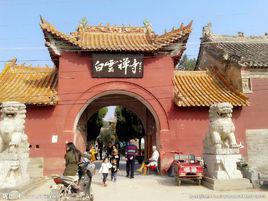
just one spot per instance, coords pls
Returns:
(51, 44)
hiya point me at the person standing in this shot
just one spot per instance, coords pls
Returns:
(109, 149)
(85, 160)
(96, 151)
(115, 155)
(114, 170)
(100, 147)
(72, 159)
(105, 166)
(131, 153)
(92, 152)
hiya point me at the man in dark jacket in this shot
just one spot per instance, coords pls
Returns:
(131, 153)
(109, 149)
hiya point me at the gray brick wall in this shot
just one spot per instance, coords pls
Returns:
(257, 147)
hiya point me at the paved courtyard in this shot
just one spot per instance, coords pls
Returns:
(150, 188)
(155, 188)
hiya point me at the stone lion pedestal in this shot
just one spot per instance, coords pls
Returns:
(13, 170)
(221, 152)
(14, 147)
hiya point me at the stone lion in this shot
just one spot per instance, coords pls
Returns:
(12, 120)
(221, 127)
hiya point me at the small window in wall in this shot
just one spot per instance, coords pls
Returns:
(30, 146)
(37, 146)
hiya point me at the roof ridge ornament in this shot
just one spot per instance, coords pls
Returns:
(207, 31)
(190, 24)
(147, 24)
(181, 27)
(148, 30)
(12, 63)
(83, 24)
(41, 19)
(240, 34)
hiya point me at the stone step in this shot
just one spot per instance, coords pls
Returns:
(33, 184)
(15, 193)
(226, 184)
(36, 167)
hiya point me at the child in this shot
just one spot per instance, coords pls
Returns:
(105, 166)
(92, 152)
(114, 170)
(115, 155)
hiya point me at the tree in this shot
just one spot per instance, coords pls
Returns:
(128, 124)
(95, 123)
(186, 63)
(106, 135)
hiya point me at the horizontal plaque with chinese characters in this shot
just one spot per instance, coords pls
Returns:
(117, 65)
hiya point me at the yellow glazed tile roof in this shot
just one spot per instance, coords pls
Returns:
(203, 88)
(117, 38)
(29, 85)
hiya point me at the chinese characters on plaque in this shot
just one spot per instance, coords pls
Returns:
(117, 65)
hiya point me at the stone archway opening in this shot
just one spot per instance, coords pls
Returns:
(129, 101)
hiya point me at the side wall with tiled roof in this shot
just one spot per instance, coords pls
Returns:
(231, 72)
(252, 80)
(29, 85)
(181, 129)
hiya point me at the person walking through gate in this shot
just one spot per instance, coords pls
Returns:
(100, 147)
(105, 166)
(116, 156)
(109, 149)
(131, 153)
(114, 170)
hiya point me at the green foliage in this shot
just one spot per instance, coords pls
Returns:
(128, 124)
(95, 123)
(101, 114)
(187, 63)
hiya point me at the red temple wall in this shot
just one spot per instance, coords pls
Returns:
(180, 129)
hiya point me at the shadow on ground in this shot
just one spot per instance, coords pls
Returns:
(170, 181)
(264, 187)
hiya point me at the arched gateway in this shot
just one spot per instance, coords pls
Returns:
(135, 98)
(98, 66)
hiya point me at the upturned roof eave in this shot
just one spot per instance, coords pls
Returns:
(71, 41)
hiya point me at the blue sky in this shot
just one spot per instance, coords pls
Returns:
(21, 36)
(110, 113)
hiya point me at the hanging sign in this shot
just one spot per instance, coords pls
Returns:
(117, 65)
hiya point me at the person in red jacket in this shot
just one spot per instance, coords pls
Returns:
(131, 153)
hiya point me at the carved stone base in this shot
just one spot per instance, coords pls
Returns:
(13, 170)
(226, 184)
(214, 150)
(222, 166)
